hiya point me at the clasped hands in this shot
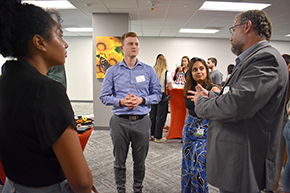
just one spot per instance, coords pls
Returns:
(194, 95)
(131, 101)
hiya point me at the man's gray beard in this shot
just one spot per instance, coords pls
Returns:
(237, 49)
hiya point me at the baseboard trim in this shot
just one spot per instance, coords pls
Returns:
(101, 128)
(81, 101)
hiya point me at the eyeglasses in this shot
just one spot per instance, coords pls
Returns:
(231, 28)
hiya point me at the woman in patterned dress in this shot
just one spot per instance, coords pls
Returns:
(193, 174)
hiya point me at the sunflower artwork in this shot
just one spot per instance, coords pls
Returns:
(108, 53)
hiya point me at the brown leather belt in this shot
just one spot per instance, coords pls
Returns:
(132, 117)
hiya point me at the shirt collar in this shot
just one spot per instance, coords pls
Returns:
(249, 50)
(122, 63)
(17, 64)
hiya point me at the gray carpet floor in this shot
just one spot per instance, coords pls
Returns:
(163, 165)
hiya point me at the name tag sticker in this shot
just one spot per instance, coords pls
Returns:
(200, 131)
(140, 78)
(226, 89)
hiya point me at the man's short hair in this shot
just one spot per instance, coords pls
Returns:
(260, 20)
(129, 34)
(213, 60)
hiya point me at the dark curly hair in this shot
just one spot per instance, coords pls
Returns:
(19, 23)
(190, 82)
(260, 20)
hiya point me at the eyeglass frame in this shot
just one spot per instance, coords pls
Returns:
(231, 28)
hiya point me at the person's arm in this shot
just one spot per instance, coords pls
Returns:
(169, 86)
(71, 158)
(215, 89)
(155, 89)
(175, 74)
(106, 95)
(220, 77)
(169, 81)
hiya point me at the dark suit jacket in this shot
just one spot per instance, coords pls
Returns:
(245, 122)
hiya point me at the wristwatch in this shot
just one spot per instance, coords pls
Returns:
(143, 101)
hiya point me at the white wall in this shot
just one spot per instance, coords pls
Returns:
(79, 64)
(79, 68)
(175, 48)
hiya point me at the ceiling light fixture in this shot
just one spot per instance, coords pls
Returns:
(287, 35)
(198, 31)
(232, 6)
(88, 4)
(79, 29)
(52, 4)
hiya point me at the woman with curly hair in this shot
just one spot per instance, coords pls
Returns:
(39, 145)
(193, 174)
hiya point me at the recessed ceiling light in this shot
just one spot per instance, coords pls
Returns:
(231, 6)
(52, 4)
(288, 35)
(79, 29)
(198, 31)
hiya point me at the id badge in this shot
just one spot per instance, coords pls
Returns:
(140, 78)
(226, 89)
(199, 132)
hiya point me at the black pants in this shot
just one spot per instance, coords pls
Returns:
(158, 116)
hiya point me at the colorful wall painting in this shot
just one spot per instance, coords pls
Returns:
(108, 53)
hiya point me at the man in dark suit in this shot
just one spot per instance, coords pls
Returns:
(247, 116)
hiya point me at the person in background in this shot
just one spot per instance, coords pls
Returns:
(247, 116)
(185, 63)
(215, 75)
(193, 173)
(286, 134)
(166, 126)
(130, 87)
(58, 74)
(157, 58)
(39, 147)
(159, 111)
(178, 70)
(179, 76)
(230, 69)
